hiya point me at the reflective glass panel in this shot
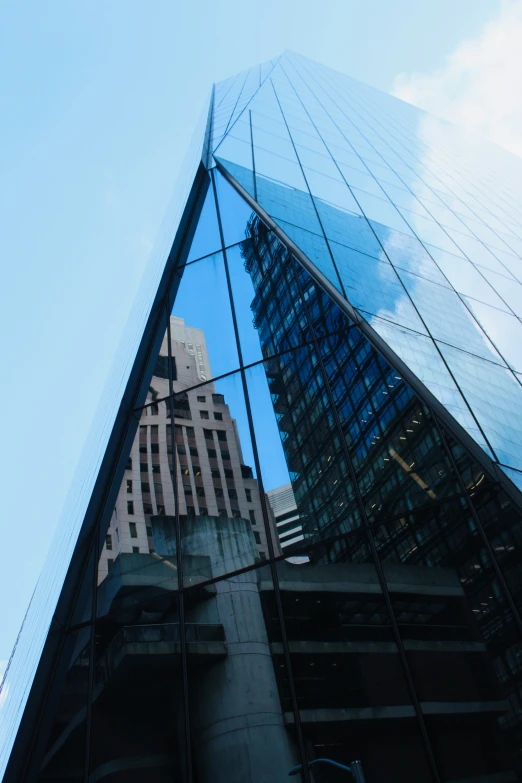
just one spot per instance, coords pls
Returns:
(353, 699)
(455, 624)
(299, 444)
(275, 424)
(133, 570)
(220, 504)
(65, 728)
(206, 236)
(234, 213)
(481, 382)
(240, 729)
(202, 330)
(137, 727)
(137, 724)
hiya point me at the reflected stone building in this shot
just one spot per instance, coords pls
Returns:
(301, 544)
(289, 528)
(212, 479)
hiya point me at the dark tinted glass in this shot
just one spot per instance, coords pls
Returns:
(354, 702)
(241, 725)
(68, 717)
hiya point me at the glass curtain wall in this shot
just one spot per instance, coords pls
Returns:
(387, 632)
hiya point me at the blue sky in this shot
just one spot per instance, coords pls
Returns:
(99, 103)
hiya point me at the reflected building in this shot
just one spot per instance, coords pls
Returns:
(302, 542)
(289, 528)
(212, 479)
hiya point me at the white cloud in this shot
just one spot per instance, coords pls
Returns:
(479, 85)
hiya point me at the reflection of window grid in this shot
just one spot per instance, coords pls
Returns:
(358, 393)
(357, 431)
(191, 492)
(359, 412)
(143, 440)
(361, 399)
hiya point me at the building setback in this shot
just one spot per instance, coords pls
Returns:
(300, 546)
(211, 477)
(284, 508)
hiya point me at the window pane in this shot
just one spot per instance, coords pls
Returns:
(206, 238)
(218, 536)
(484, 383)
(203, 341)
(502, 523)
(447, 318)
(64, 725)
(134, 714)
(352, 694)
(455, 624)
(264, 291)
(374, 288)
(132, 566)
(138, 706)
(234, 213)
(299, 445)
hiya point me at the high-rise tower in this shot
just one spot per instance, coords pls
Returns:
(355, 267)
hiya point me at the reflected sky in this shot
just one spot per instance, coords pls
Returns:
(414, 222)
(418, 225)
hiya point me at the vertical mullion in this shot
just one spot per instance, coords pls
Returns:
(96, 545)
(253, 156)
(399, 279)
(476, 519)
(264, 510)
(235, 105)
(312, 197)
(179, 557)
(373, 547)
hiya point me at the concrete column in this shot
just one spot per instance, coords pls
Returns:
(238, 731)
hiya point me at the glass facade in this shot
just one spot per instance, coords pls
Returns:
(302, 547)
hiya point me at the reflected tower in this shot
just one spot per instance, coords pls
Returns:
(330, 349)
(212, 479)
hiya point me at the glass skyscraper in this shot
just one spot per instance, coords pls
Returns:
(295, 539)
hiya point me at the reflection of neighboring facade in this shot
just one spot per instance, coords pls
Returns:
(353, 698)
(284, 509)
(212, 477)
(387, 628)
(419, 517)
